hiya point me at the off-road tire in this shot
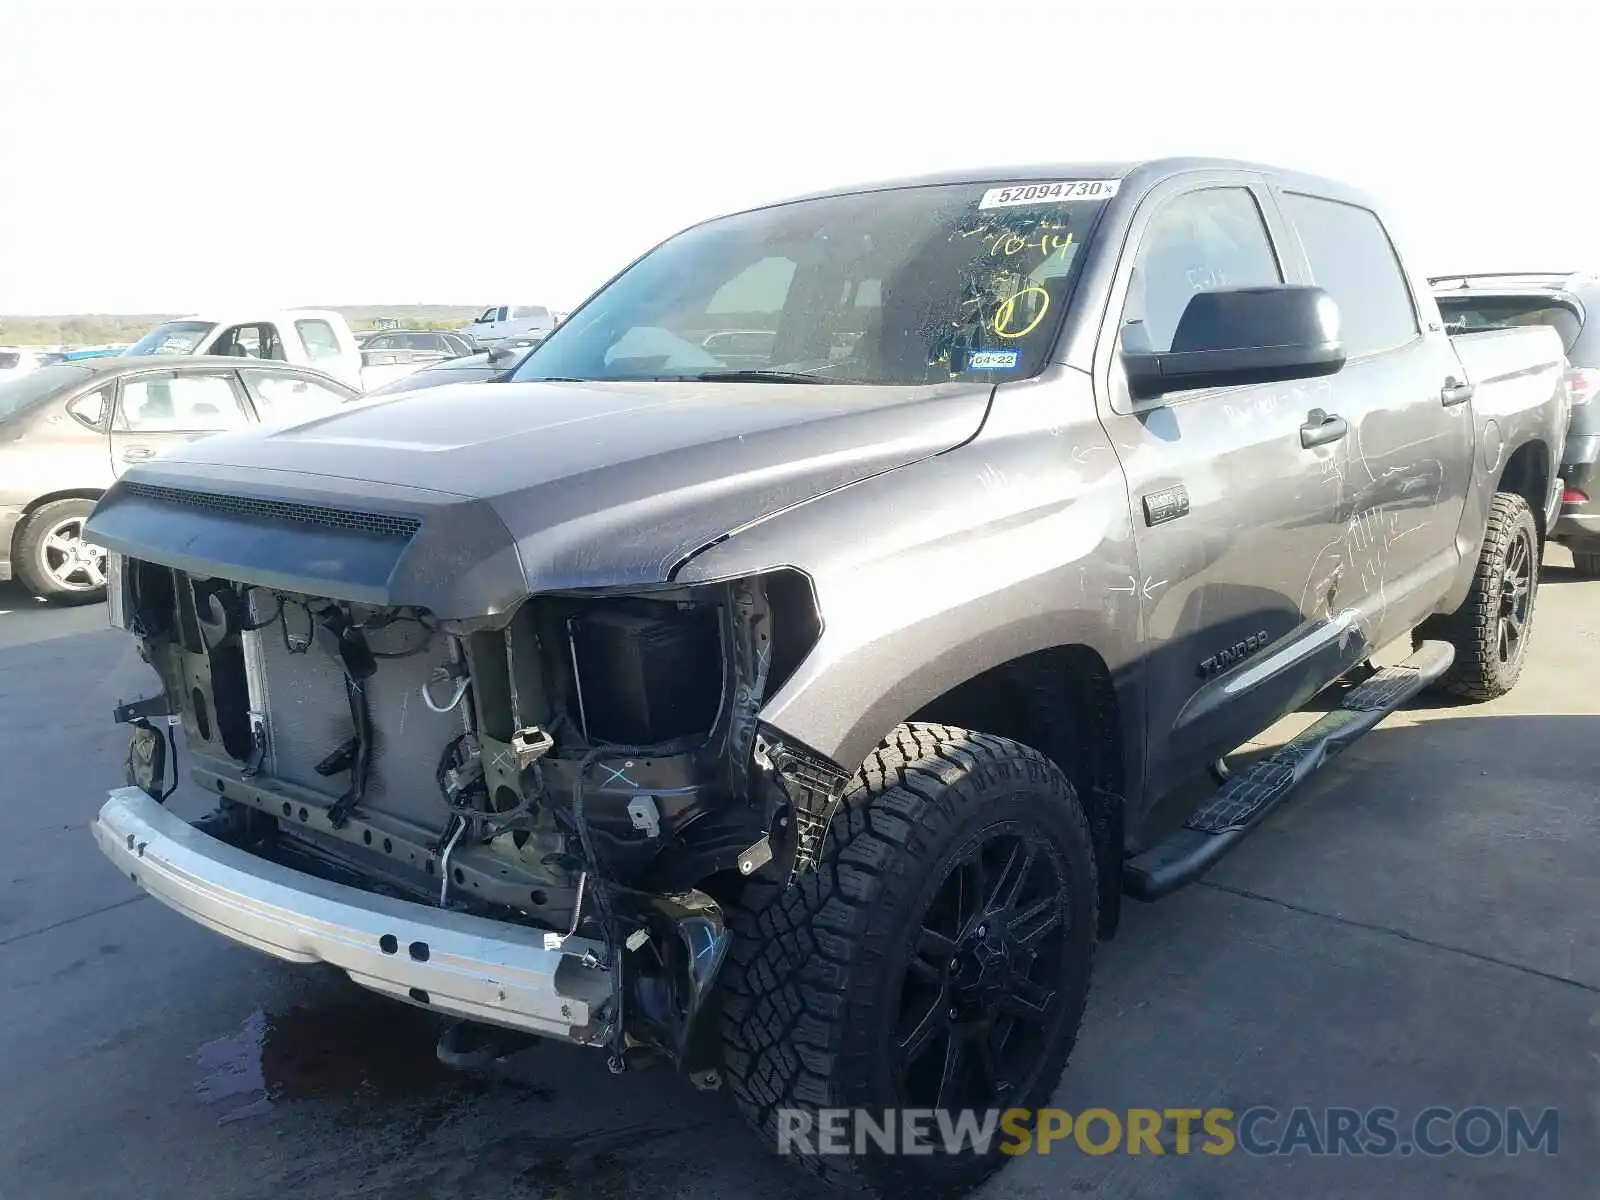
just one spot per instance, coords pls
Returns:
(813, 977)
(1478, 672)
(29, 563)
(1586, 563)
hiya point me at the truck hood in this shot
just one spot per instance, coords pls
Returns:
(465, 499)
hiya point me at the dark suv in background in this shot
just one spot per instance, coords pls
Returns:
(1562, 300)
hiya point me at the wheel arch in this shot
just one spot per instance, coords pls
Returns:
(1527, 473)
(1061, 701)
(39, 502)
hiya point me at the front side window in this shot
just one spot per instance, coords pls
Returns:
(904, 286)
(178, 404)
(287, 397)
(319, 339)
(173, 337)
(251, 341)
(1353, 260)
(1199, 241)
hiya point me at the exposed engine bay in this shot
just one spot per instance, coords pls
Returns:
(589, 765)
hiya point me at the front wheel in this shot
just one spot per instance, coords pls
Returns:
(1490, 630)
(53, 560)
(938, 959)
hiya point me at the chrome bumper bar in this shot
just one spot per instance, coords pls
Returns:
(464, 965)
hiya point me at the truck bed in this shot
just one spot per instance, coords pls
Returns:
(1497, 357)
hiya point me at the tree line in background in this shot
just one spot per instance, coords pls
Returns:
(94, 329)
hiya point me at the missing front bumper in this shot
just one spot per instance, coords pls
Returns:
(459, 964)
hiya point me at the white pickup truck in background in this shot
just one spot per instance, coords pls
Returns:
(313, 337)
(511, 322)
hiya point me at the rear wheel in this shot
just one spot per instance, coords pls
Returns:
(53, 561)
(1490, 630)
(939, 958)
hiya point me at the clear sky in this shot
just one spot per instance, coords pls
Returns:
(164, 156)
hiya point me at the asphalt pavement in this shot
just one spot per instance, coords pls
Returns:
(1417, 928)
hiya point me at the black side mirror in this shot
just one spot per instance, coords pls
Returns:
(1235, 336)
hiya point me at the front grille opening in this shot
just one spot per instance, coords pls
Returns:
(388, 525)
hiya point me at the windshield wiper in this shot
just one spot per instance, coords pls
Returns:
(764, 377)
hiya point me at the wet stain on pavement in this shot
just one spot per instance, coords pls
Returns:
(351, 1051)
(594, 1167)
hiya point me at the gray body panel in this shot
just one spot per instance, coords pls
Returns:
(946, 530)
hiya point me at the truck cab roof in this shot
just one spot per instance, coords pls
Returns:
(1139, 173)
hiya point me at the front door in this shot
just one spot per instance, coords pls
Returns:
(1233, 491)
(158, 410)
(1411, 434)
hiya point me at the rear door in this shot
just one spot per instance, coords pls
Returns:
(329, 347)
(1411, 431)
(158, 410)
(1230, 509)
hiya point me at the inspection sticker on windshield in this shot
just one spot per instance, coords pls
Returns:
(1049, 193)
(993, 360)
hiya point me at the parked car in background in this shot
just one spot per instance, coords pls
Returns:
(803, 724)
(90, 352)
(505, 322)
(312, 337)
(486, 366)
(1563, 300)
(415, 347)
(19, 360)
(69, 429)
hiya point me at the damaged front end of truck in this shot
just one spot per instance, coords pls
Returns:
(537, 820)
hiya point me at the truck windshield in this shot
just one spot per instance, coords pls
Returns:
(172, 337)
(906, 286)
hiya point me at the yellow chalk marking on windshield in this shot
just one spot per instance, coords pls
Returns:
(1003, 314)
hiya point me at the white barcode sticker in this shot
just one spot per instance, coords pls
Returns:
(1049, 193)
(993, 360)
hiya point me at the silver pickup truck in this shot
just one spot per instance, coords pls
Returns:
(800, 722)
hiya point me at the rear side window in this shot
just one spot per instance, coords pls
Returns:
(90, 408)
(321, 343)
(1354, 261)
(1471, 314)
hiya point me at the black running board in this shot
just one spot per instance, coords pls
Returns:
(1226, 818)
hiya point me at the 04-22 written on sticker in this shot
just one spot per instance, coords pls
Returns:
(1049, 193)
(993, 360)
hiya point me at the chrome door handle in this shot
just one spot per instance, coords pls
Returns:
(1321, 428)
(137, 454)
(1455, 392)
